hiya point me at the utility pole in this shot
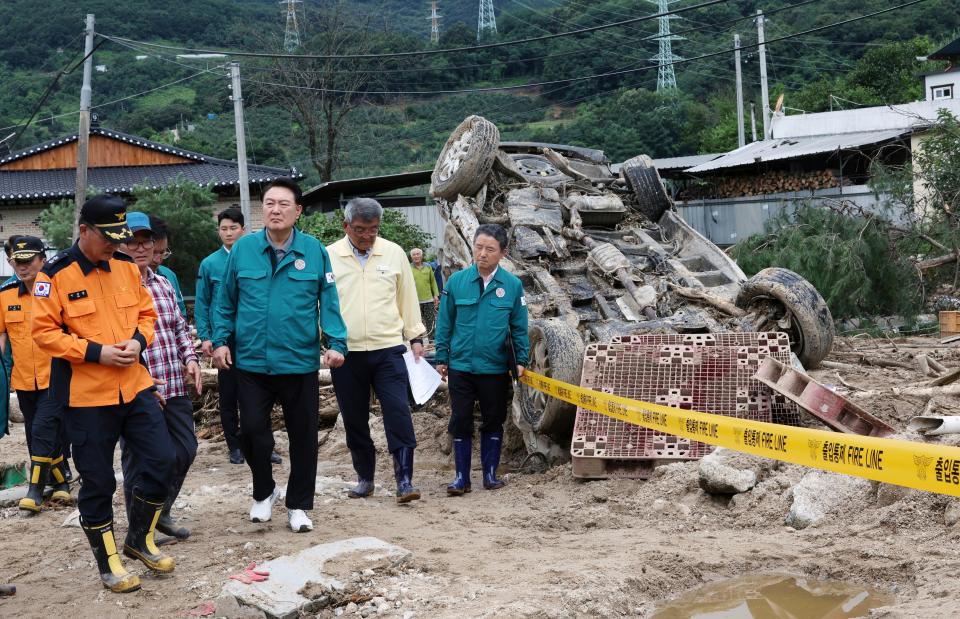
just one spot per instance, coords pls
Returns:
(434, 23)
(487, 20)
(764, 91)
(83, 135)
(666, 76)
(237, 97)
(291, 34)
(753, 120)
(741, 140)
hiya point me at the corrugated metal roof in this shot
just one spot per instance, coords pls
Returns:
(788, 148)
(682, 163)
(905, 117)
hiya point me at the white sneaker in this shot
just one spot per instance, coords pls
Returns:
(262, 511)
(299, 521)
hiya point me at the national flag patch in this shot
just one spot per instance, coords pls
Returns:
(41, 289)
(523, 301)
(330, 278)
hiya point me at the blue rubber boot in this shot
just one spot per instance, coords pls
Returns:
(462, 448)
(403, 471)
(364, 463)
(490, 444)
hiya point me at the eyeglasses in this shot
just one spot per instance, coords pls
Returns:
(144, 243)
(166, 254)
(365, 231)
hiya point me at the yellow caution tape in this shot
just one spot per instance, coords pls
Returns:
(934, 468)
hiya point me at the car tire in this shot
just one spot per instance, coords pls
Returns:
(647, 186)
(556, 351)
(466, 159)
(811, 328)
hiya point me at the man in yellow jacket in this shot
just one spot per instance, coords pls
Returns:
(378, 301)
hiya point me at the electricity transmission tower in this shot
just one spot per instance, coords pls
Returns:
(666, 77)
(291, 35)
(434, 23)
(487, 21)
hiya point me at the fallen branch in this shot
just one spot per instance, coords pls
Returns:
(946, 379)
(717, 303)
(837, 365)
(919, 392)
(939, 261)
(877, 362)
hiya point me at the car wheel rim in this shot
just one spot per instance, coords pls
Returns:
(455, 156)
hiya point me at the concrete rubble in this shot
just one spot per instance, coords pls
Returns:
(310, 579)
(729, 472)
(819, 493)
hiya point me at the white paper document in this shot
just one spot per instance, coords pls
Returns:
(424, 380)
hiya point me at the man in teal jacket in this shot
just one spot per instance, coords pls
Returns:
(481, 331)
(277, 285)
(230, 228)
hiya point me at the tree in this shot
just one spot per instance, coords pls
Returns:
(56, 222)
(393, 227)
(185, 207)
(321, 94)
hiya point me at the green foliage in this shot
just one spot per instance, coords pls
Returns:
(393, 227)
(56, 221)
(851, 259)
(186, 207)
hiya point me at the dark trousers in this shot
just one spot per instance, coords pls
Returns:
(299, 397)
(384, 371)
(43, 422)
(229, 420)
(94, 432)
(490, 390)
(178, 417)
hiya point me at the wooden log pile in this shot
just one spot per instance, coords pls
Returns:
(775, 181)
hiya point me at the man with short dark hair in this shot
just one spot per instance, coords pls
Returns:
(167, 357)
(92, 315)
(483, 314)
(277, 289)
(378, 298)
(209, 278)
(31, 371)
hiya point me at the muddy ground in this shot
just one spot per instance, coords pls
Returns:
(547, 545)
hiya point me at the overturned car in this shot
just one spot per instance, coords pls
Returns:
(603, 254)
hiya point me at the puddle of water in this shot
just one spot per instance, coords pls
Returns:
(775, 596)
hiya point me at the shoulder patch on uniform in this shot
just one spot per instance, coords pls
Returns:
(523, 300)
(13, 283)
(41, 289)
(58, 263)
(331, 278)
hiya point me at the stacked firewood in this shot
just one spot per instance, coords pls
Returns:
(776, 181)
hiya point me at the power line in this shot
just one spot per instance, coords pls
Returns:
(615, 73)
(471, 48)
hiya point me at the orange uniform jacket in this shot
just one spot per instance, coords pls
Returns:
(80, 306)
(31, 366)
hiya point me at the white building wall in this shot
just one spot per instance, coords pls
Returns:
(942, 86)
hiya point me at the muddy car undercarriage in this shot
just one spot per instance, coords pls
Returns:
(602, 253)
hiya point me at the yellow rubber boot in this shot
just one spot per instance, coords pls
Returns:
(39, 473)
(61, 488)
(140, 542)
(112, 573)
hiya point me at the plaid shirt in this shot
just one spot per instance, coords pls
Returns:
(172, 348)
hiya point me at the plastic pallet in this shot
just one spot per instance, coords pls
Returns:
(710, 373)
(832, 409)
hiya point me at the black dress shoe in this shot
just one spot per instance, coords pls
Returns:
(236, 456)
(275, 458)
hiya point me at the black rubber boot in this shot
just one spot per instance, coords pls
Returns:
(365, 464)
(140, 536)
(167, 526)
(39, 474)
(104, 546)
(403, 471)
(490, 444)
(61, 487)
(462, 448)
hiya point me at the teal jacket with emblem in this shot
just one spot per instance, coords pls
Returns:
(472, 326)
(209, 278)
(271, 315)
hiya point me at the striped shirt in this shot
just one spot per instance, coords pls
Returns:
(172, 348)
